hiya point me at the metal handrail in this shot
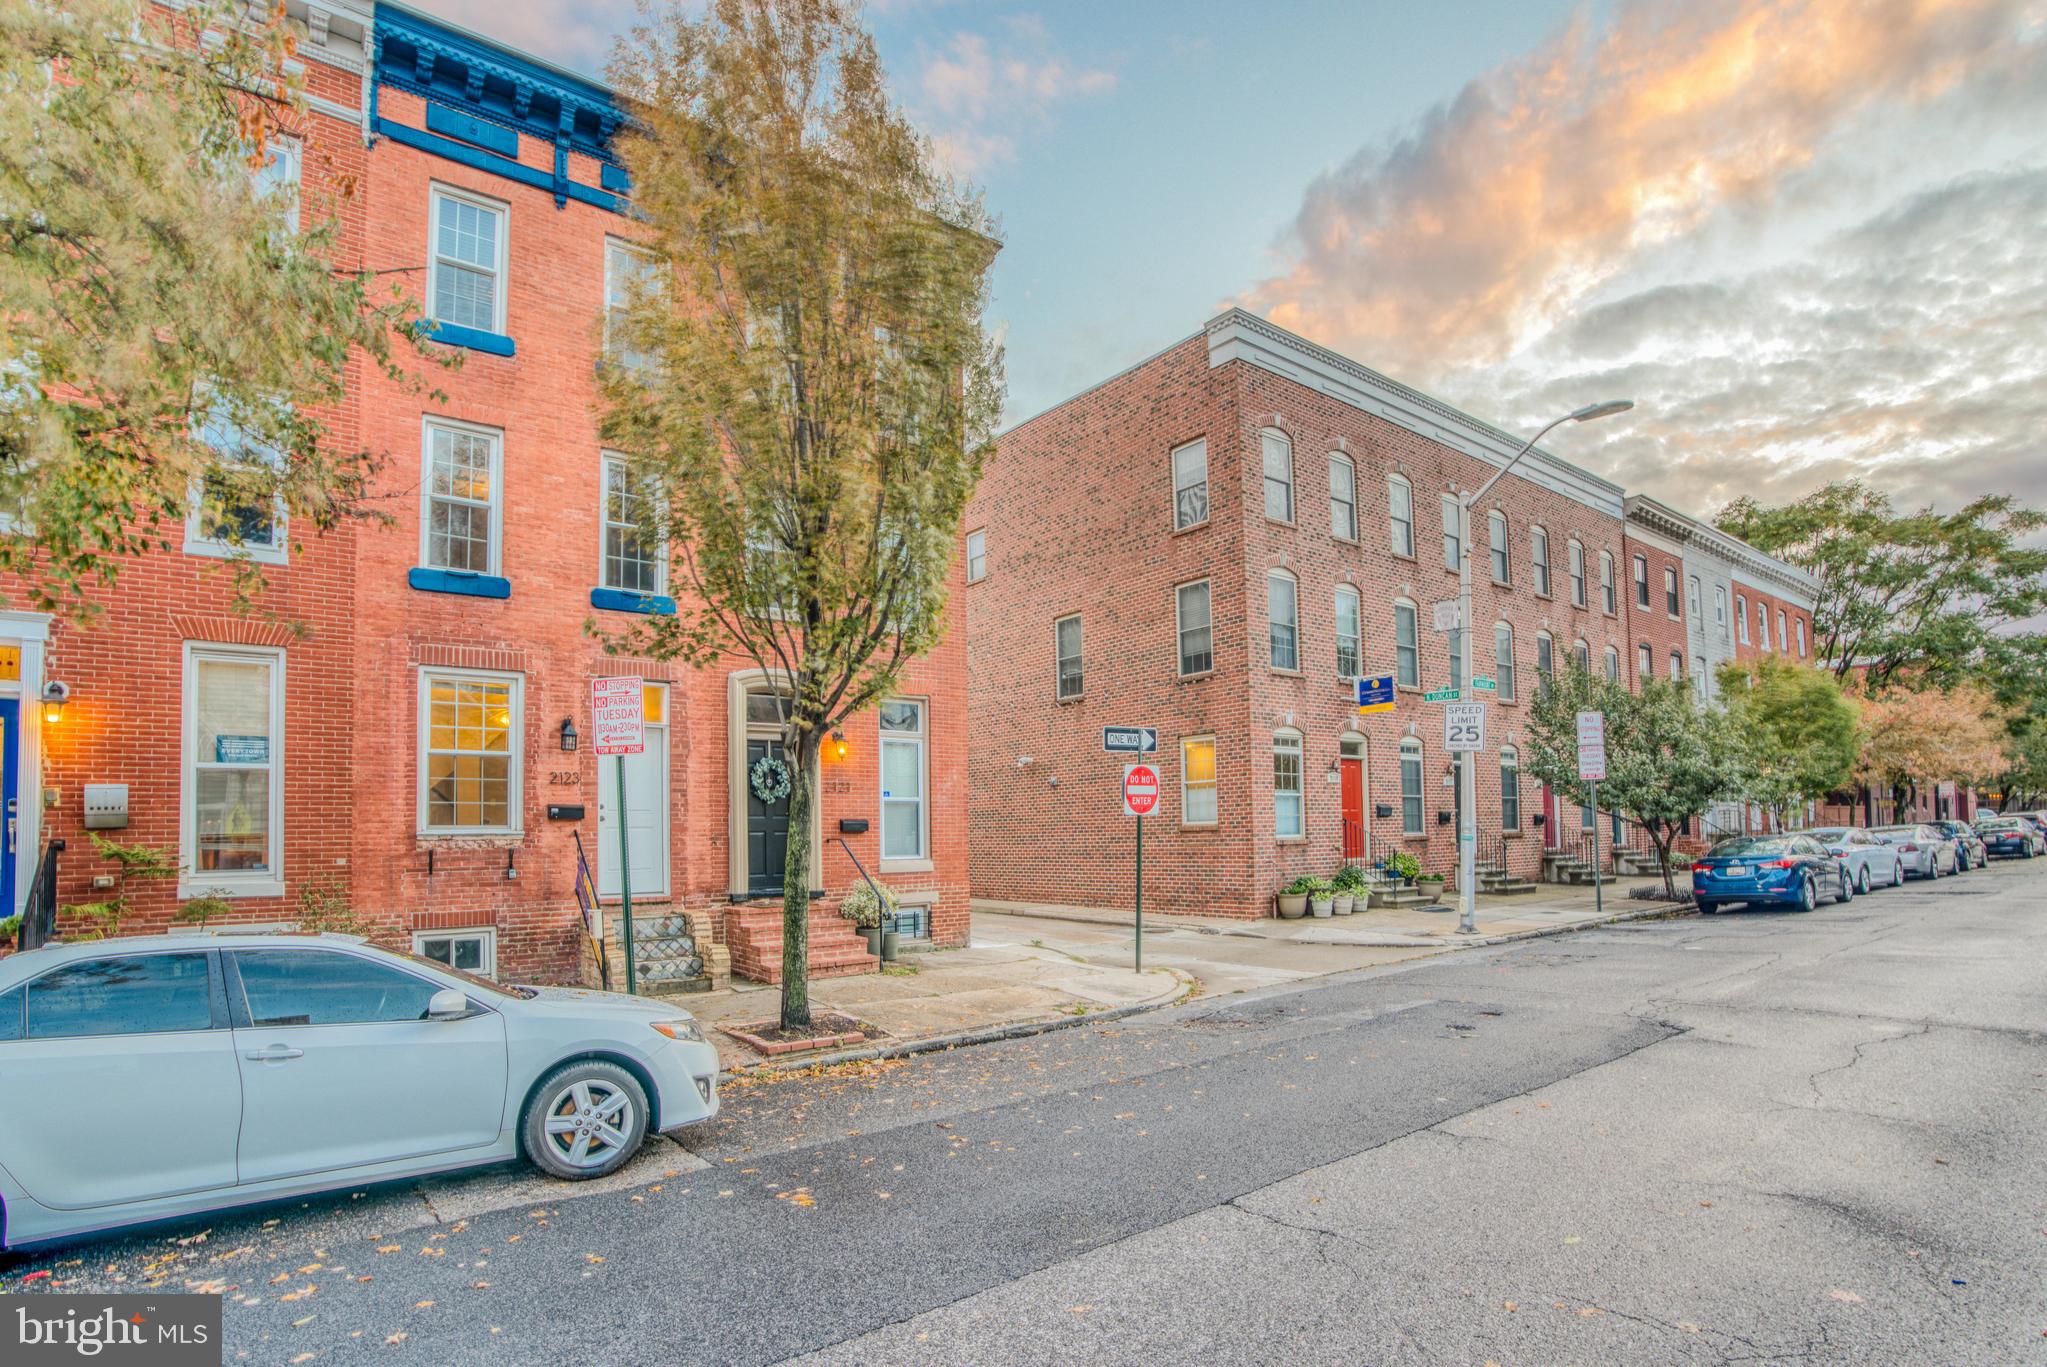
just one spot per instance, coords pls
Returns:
(880, 898)
(39, 911)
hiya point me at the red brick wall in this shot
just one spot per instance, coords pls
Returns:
(1654, 624)
(1772, 602)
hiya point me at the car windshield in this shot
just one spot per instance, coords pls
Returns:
(1829, 833)
(1895, 830)
(1748, 844)
(2000, 824)
(469, 979)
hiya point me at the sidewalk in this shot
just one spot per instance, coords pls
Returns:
(942, 992)
(1229, 955)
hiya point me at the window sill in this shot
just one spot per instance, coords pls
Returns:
(1283, 672)
(1290, 840)
(1071, 699)
(1197, 676)
(496, 837)
(260, 555)
(1191, 527)
(631, 600)
(460, 582)
(1282, 522)
(1515, 834)
(1201, 825)
(1408, 556)
(908, 866)
(470, 339)
(192, 885)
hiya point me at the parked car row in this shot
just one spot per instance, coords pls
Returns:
(1838, 863)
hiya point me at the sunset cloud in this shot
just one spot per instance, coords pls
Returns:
(977, 96)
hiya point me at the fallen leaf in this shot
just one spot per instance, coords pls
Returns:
(1078, 1309)
(1587, 1311)
(398, 1337)
(593, 1257)
(300, 1324)
(1571, 1239)
(389, 1248)
(1845, 1297)
(422, 1305)
(1509, 1306)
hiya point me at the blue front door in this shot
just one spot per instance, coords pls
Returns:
(10, 798)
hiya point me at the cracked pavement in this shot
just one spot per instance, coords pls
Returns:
(1755, 1137)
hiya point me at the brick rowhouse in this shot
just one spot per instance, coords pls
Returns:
(421, 739)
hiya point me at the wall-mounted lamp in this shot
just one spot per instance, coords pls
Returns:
(838, 746)
(55, 694)
(568, 729)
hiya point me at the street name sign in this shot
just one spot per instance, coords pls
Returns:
(618, 716)
(1464, 726)
(1592, 746)
(1375, 694)
(1140, 789)
(1130, 740)
(1481, 684)
(1442, 695)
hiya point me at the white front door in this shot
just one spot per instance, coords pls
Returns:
(646, 805)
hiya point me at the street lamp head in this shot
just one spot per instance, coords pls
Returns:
(1602, 410)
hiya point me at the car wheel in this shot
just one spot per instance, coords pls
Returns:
(1897, 872)
(1705, 907)
(1808, 893)
(1847, 892)
(1862, 880)
(585, 1120)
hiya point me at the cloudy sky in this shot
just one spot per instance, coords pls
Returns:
(1807, 237)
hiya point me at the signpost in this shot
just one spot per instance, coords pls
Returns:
(1442, 695)
(1140, 797)
(1464, 729)
(1592, 768)
(618, 726)
(1375, 695)
(1130, 740)
(1481, 684)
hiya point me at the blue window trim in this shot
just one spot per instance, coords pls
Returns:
(459, 581)
(614, 178)
(626, 600)
(475, 339)
(478, 159)
(470, 129)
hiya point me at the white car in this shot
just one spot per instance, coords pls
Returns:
(152, 1077)
(1926, 852)
(1867, 859)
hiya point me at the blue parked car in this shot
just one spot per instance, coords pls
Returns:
(1789, 870)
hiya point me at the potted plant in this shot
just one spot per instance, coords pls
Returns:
(1430, 885)
(1321, 897)
(1351, 888)
(867, 912)
(1403, 867)
(1293, 898)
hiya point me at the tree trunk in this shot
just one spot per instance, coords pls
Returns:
(1661, 835)
(796, 883)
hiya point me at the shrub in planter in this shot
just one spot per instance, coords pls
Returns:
(1352, 888)
(1403, 866)
(1321, 896)
(1293, 898)
(865, 910)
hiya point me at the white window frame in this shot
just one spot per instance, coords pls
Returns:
(1414, 648)
(1271, 439)
(1290, 742)
(1799, 624)
(1677, 664)
(1213, 786)
(1399, 530)
(278, 552)
(1411, 752)
(1357, 635)
(192, 882)
(1693, 597)
(1741, 618)
(1545, 663)
(1576, 564)
(1613, 664)
(289, 151)
(1453, 532)
(1293, 624)
(1641, 573)
(1645, 661)
(1762, 625)
(605, 463)
(1720, 605)
(486, 935)
(1783, 636)
(1349, 505)
(1609, 596)
(1180, 628)
(515, 773)
(1701, 680)
(1059, 692)
(977, 555)
(1538, 554)
(1581, 651)
(1510, 762)
(500, 269)
(921, 739)
(1505, 670)
(1502, 558)
(496, 437)
(1198, 446)
(616, 248)
(1671, 602)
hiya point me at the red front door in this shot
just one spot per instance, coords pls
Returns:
(1353, 789)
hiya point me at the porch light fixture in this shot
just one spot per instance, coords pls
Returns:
(568, 730)
(55, 694)
(838, 745)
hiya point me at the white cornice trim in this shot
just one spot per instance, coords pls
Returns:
(1236, 335)
(334, 109)
(1765, 572)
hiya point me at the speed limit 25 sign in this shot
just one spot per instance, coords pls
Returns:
(1463, 726)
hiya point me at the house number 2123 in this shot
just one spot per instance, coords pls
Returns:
(564, 778)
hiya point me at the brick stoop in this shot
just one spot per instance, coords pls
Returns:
(753, 930)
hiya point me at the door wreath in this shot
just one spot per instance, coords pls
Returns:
(769, 779)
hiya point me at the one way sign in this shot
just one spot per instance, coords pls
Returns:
(1130, 740)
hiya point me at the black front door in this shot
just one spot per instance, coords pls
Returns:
(767, 826)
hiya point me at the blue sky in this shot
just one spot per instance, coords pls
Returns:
(1808, 237)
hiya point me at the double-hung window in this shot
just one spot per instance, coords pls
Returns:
(1343, 498)
(1411, 787)
(629, 272)
(1613, 665)
(1455, 638)
(1545, 663)
(1692, 595)
(1783, 636)
(1641, 581)
(1407, 659)
(1197, 781)
(1577, 562)
(1645, 662)
(466, 266)
(903, 822)
(1283, 616)
(1538, 549)
(1190, 485)
(1582, 653)
(1720, 606)
(278, 178)
(471, 726)
(233, 836)
(1453, 532)
(1496, 529)
(1763, 624)
(1670, 604)
(1347, 629)
(1606, 585)
(1800, 622)
(1279, 476)
(1400, 514)
(460, 529)
(1741, 617)
(1503, 660)
(1197, 648)
(977, 556)
(1287, 821)
(1700, 680)
(1510, 789)
(223, 520)
(1066, 632)
(631, 561)
(1677, 664)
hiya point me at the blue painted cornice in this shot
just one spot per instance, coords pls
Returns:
(494, 84)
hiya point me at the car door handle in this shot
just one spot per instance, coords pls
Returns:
(276, 1053)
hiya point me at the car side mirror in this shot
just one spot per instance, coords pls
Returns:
(448, 1004)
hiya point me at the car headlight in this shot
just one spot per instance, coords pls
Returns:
(684, 1029)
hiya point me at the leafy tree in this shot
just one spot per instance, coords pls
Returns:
(1799, 727)
(1667, 758)
(1920, 592)
(162, 327)
(2023, 784)
(809, 414)
(1915, 737)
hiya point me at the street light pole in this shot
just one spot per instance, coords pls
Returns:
(1467, 784)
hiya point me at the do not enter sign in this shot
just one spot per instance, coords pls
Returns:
(1140, 789)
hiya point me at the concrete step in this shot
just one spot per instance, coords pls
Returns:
(1511, 887)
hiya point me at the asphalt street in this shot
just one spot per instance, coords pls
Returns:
(1747, 1137)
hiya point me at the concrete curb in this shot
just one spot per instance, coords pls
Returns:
(993, 1034)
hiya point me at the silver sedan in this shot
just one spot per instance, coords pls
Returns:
(270, 1065)
(1926, 852)
(1868, 861)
